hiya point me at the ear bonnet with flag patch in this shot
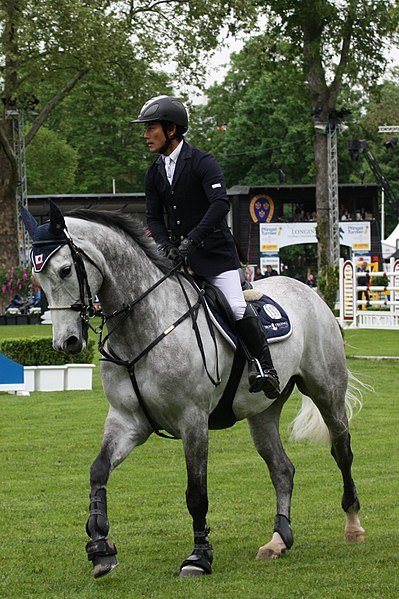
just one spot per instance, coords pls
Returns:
(47, 238)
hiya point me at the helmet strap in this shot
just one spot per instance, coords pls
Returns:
(168, 137)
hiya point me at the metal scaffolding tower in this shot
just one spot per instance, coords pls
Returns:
(332, 162)
(18, 126)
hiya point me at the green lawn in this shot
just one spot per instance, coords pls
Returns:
(48, 441)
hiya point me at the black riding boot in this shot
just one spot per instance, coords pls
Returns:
(261, 373)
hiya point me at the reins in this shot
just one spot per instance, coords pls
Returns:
(110, 356)
(87, 311)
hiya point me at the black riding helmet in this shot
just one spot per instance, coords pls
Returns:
(164, 108)
(168, 111)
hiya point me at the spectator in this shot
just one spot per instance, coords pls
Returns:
(258, 274)
(310, 280)
(363, 281)
(270, 272)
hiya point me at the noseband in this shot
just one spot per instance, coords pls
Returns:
(86, 309)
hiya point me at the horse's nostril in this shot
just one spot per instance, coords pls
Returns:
(72, 345)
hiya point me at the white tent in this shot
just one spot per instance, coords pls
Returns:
(391, 243)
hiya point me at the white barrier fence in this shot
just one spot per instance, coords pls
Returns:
(383, 304)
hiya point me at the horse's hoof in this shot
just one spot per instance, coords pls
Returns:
(355, 536)
(104, 565)
(191, 571)
(272, 550)
(196, 565)
(266, 552)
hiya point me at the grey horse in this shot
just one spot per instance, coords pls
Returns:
(154, 375)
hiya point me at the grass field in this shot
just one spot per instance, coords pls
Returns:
(48, 441)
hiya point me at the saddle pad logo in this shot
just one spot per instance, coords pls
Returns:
(272, 312)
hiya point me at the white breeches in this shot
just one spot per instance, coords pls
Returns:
(229, 283)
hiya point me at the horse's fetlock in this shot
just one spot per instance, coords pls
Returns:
(349, 498)
(100, 548)
(282, 525)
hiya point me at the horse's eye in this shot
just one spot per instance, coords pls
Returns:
(65, 271)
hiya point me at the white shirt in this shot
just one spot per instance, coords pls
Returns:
(170, 162)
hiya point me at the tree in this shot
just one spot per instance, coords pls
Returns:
(51, 164)
(337, 42)
(257, 121)
(383, 109)
(47, 48)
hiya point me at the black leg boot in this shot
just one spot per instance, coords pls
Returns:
(261, 373)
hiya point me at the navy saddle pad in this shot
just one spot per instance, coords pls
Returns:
(273, 317)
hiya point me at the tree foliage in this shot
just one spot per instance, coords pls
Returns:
(47, 47)
(51, 164)
(257, 121)
(337, 43)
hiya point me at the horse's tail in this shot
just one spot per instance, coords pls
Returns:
(309, 424)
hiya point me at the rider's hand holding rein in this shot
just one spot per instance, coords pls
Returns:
(186, 248)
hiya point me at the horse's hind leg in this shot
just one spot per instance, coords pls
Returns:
(265, 435)
(342, 453)
(331, 402)
(119, 439)
(195, 444)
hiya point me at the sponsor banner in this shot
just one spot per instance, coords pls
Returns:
(277, 235)
(274, 236)
(356, 235)
(270, 260)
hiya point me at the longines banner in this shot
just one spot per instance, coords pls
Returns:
(272, 236)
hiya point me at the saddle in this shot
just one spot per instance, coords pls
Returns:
(276, 325)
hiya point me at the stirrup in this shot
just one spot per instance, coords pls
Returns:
(264, 380)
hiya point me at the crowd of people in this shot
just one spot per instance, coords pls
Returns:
(310, 279)
(302, 215)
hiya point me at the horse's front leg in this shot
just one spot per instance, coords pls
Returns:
(120, 437)
(195, 444)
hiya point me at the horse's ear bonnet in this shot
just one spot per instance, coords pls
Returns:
(47, 239)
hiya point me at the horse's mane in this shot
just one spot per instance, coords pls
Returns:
(128, 223)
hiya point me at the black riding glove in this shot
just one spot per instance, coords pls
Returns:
(170, 252)
(186, 247)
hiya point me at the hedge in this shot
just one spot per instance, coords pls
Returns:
(38, 351)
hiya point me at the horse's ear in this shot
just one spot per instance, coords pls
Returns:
(57, 222)
(29, 221)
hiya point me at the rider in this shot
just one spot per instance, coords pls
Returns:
(188, 183)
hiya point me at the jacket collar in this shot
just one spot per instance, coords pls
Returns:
(185, 154)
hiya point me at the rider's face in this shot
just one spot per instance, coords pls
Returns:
(154, 136)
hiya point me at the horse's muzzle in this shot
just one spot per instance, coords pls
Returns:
(72, 345)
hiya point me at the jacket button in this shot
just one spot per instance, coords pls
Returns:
(172, 192)
(178, 222)
(182, 237)
(174, 207)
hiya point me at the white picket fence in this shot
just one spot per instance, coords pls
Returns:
(384, 312)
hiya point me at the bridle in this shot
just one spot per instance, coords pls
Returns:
(86, 308)
(88, 311)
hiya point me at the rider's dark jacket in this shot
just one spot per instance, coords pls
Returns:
(196, 205)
